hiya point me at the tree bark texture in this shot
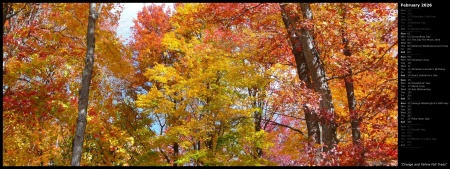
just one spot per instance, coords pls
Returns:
(84, 91)
(318, 76)
(312, 123)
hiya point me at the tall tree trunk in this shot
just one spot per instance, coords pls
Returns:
(197, 162)
(318, 76)
(356, 134)
(348, 80)
(175, 153)
(257, 115)
(77, 145)
(312, 123)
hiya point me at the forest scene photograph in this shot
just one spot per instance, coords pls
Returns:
(200, 84)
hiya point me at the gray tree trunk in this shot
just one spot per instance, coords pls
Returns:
(77, 145)
(312, 123)
(318, 76)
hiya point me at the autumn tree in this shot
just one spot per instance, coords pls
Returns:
(34, 85)
(215, 69)
(349, 89)
(206, 84)
(318, 77)
(85, 84)
(312, 122)
(41, 73)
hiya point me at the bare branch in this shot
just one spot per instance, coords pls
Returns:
(283, 125)
(242, 13)
(6, 17)
(165, 156)
(298, 118)
(366, 69)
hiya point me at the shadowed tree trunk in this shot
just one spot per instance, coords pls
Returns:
(312, 123)
(318, 77)
(349, 84)
(257, 115)
(175, 153)
(348, 80)
(77, 145)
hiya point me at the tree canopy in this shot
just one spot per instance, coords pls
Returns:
(204, 84)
